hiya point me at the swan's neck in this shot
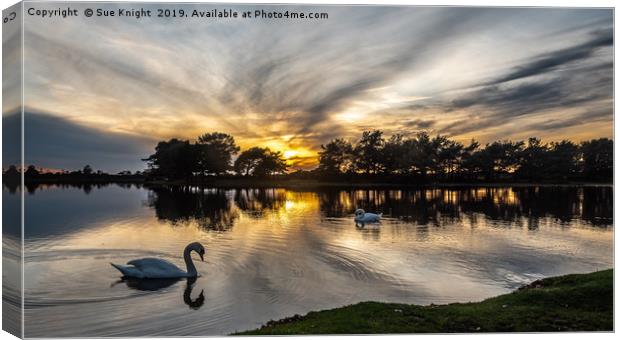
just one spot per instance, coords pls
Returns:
(191, 269)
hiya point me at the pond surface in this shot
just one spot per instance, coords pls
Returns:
(272, 253)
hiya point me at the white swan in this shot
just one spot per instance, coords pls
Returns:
(154, 268)
(363, 217)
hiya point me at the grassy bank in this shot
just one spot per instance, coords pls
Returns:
(580, 302)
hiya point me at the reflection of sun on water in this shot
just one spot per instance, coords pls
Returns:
(289, 205)
(300, 203)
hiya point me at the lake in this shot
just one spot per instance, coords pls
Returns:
(272, 253)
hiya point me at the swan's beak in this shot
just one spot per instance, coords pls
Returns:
(202, 257)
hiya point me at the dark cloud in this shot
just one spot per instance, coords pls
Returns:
(525, 91)
(422, 124)
(549, 62)
(590, 116)
(55, 142)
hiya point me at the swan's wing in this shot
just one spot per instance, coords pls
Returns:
(369, 217)
(128, 271)
(156, 268)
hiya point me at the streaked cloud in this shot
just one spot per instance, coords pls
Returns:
(294, 84)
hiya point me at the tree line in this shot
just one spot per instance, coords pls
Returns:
(441, 158)
(420, 156)
(373, 157)
(212, 154)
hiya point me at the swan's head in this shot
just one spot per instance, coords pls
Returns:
(197, 247)
(359, 212)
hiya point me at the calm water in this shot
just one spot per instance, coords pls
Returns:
(273, 253)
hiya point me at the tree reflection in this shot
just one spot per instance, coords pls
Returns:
(32, 187)
(441, 205)
(219, 209)
(211, 209)
(255, 202)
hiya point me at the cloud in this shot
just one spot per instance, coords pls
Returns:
(422, 124)
(541, 86)
(55, 142)
(296, 84)
(597, 115)
(549, 62)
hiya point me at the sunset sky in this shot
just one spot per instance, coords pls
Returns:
(103, 91)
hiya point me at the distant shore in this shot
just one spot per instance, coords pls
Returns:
(242, 182)
(578, 302)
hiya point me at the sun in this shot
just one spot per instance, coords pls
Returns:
(288, 154)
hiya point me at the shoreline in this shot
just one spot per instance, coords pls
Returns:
(240, 183)
(574, 302)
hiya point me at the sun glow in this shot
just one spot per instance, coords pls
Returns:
(288, 154)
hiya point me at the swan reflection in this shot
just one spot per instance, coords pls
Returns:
(152, 285)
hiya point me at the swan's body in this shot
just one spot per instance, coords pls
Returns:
(155, 268)
(363, 217)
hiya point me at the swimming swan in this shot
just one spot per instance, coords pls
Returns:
(363, 217)
(154, 268)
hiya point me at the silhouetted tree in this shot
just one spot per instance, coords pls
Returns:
(533, 160)
(421, 153)
(336, 157)
(174, 158)
(258, 161)
(87, 170)
(598, 158)
(447, 155)
(31, 171)
(498, 158)
(465, 158)
(562, 160)
(394, 151)
(368, 152)
(11, 171)
(215, 152)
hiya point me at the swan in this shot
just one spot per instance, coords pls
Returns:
(363, 217)
(154, 268)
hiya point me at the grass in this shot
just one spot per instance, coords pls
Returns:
(578, 302)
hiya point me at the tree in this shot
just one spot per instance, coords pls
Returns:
(215, 152)
(31, 171)
(368, 152)
(174, 158)
(87, 170)
(466, 167)
(11, 171)
(598, 158)
(447, 155)
(563, 159)
(421, 153)
(258, 161)
(336, 157)
(504, 156)
(533, 160)
(393, 151)
(497, 158)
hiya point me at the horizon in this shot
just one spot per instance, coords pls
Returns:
(484, 73)
(291, 169)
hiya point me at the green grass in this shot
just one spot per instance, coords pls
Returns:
(579, 302)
